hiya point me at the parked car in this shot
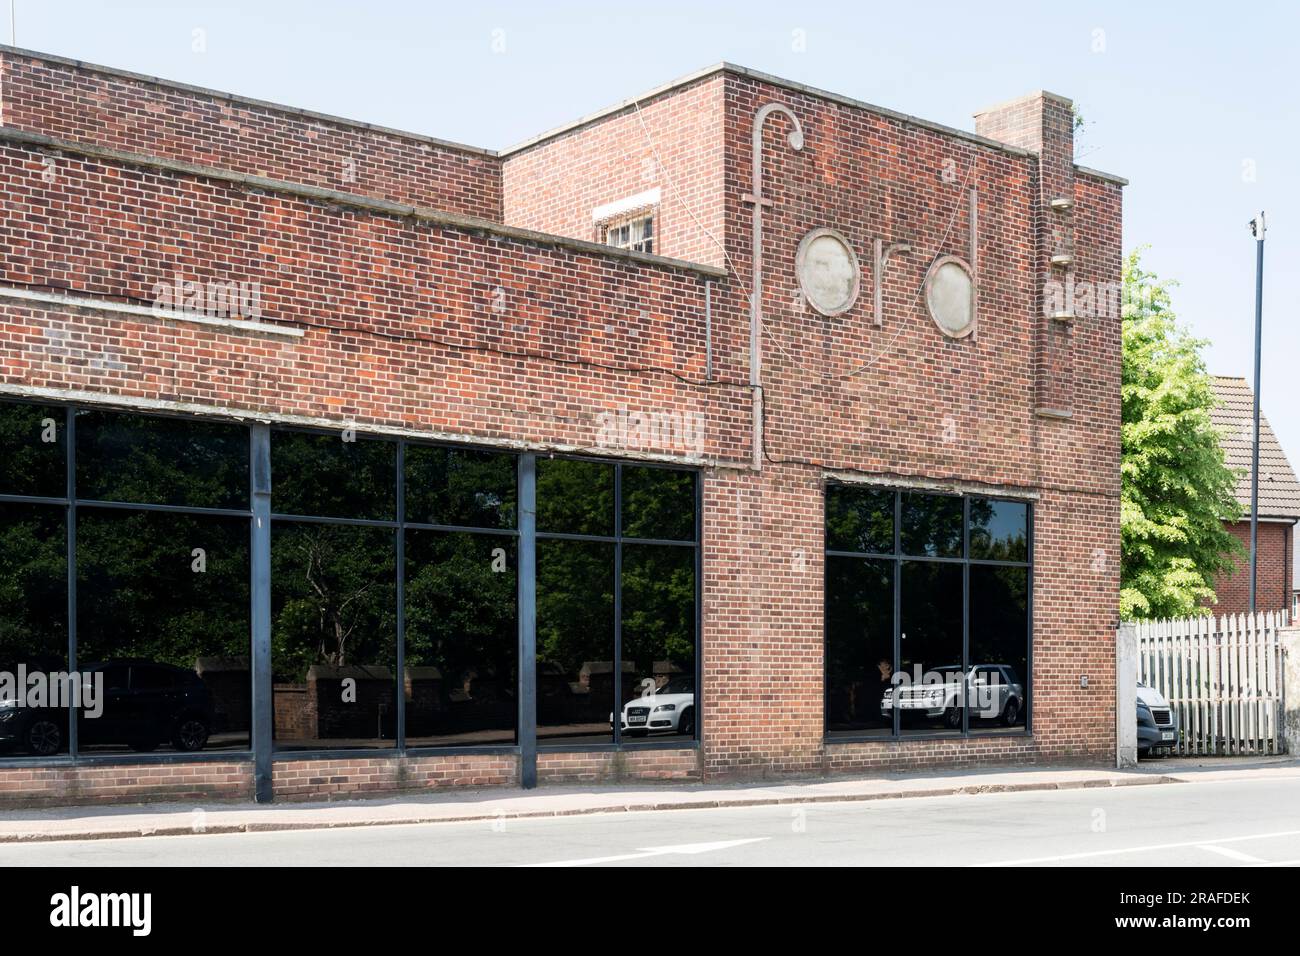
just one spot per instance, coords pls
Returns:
(145, 704)
(41, 731)
(1157, 722)
(990, 691)
(669, 710)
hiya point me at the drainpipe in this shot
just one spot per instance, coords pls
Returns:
(758, 201)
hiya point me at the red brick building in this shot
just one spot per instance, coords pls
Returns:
(524, 411)
(1279, 505)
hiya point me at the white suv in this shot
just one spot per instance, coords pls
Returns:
(993, 691)
(668, 710)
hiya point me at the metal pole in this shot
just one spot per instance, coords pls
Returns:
(527, 576)
(1257, 229)
(260, 574)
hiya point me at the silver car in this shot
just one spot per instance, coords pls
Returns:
(990, 691)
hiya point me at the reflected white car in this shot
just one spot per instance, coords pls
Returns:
(992, 691)
(669, 710)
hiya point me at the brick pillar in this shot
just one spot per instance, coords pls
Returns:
(1290, 639)
(1043, 124)
(1126, 676)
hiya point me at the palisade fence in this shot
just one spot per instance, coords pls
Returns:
(1221, 676)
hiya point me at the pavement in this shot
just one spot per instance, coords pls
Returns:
(501, 805)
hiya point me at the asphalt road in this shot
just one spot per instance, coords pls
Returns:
(1250, 822)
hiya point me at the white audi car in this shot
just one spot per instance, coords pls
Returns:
(668, 710)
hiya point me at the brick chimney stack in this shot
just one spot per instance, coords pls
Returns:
(1043, 123)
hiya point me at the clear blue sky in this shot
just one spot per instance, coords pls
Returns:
(1183, 99)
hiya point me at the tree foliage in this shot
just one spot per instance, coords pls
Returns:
(1176, 488)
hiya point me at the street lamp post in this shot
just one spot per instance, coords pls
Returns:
(1256, 230)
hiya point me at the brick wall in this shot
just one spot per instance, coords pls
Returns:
(407, 324)
(437, 328)
(672, 143)
(1275, 571)
(121, 111)
(361, 776)
(628, 765)
(131, 782)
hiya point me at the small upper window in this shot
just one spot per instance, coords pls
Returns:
(636, 233)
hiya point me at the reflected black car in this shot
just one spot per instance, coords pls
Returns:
(145, 704)
(40, 731)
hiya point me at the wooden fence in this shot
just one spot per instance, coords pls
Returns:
(1222, 678)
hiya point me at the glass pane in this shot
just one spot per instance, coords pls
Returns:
(326, 476)
(575, 497)
(999, 647)
(999, 530)
(161, 461)
(32, 450)
(462, 639)
(859, 519)
(575, 641)
(658, 503)
(859, 645)
(930, 694)
(333, 636)
(163, 599)
(932, 525)
(33, 627)
(658, 642)
(459, 487)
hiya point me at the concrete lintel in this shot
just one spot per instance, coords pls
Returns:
(949, 485)
(1055, 414)
(15, 293)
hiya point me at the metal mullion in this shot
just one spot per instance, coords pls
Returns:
(965, 616)
(898, 607)
(660, 542)
(989, 562)
(262, 731)
(33, 499)
(566, 536)
(526, 610)
(399, 534)
(1029, 607)
(699, 608)
(70, 516)
(323, 519)
(860, 554)
(617, 722)
(456, 529)
(931, 558)
(165, 509)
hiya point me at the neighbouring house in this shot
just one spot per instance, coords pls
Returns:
(1279, 505)
(660, 445)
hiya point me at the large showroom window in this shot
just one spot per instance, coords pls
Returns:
(617, 578)
(393, 590)
(333, 590)
(154, 514)
(928, 601)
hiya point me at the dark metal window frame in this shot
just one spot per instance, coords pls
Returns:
(399, 526)
(261, 518)
(897, 558)
(618, 539)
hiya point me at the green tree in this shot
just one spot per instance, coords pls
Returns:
(1176, 489)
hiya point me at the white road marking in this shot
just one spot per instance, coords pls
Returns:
(1230, 853)
(649, 851)
(1139, 849)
